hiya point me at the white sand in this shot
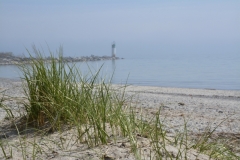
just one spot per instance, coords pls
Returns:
(200, 108)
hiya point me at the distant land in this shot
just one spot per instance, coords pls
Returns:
(7, 58)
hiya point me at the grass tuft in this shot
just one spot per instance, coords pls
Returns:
(58, 94)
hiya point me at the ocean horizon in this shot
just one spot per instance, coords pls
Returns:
(200, 71)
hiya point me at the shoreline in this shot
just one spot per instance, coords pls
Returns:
(178, 91)
(144, 86)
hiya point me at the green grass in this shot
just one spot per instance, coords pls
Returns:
(58, 95)
(60, 98)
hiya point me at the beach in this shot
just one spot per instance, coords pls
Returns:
(199, 107)
(200, 110)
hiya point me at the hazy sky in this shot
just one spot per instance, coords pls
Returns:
(139, 28)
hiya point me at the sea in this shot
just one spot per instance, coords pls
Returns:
(202, 71)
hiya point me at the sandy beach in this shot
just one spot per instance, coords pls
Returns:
(200, 109)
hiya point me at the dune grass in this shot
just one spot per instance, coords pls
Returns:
(60, 97)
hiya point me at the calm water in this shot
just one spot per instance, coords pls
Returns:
(189, 71)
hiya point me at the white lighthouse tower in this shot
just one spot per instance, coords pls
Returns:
(113, 50)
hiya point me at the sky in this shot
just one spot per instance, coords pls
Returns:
(139, 28)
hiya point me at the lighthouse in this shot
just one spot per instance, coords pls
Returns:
(113, 50)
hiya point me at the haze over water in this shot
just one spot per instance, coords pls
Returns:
(202, 71)
(193, 44)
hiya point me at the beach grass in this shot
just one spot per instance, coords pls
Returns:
(60, 99)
